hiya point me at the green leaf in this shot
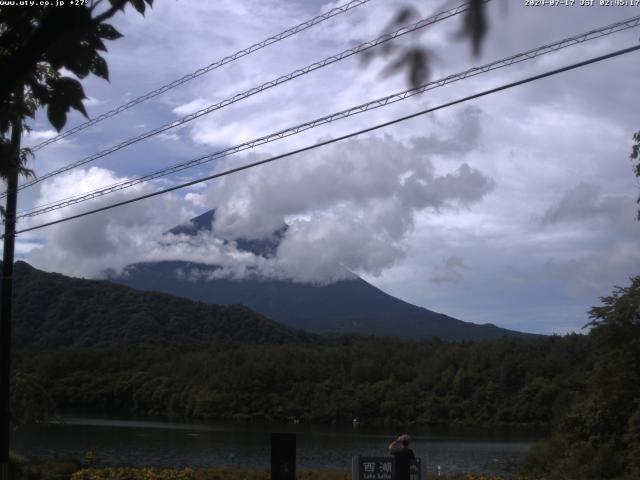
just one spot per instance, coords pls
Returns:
(99, 67)
(57, 115)
(108, 32)
(81, 64)
(117, 3)
(138, 5)
(98, 44)
(40, 92)
(59, 54)
(68, 86)
(67, 92)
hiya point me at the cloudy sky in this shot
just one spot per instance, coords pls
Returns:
(516, 209)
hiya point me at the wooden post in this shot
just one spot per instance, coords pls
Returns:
(355, 467)
(283, 456)
(6, 296)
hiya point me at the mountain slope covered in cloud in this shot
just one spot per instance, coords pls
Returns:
(349, 304)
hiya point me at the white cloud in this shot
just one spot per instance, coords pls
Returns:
(191, 107)
(39, 135)
(350, 207)
(112, 238)
(356, 203)
(450, 271)
(599, 272)
(586, 204)
(94, 102)
(561, 208)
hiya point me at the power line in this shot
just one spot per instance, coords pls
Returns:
(333, 117)
(338, 139)
(528, 55)
(219, 63)
(255, 90)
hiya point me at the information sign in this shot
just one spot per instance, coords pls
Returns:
(382, 468)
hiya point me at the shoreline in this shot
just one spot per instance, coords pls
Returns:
(147, 441)
(538, 428)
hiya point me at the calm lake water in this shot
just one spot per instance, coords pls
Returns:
(178, 444)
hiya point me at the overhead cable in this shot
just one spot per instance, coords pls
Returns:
(253, 91)
(201, 71)
(381, 102)
(338, 139)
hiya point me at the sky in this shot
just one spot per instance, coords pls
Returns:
(516, 209)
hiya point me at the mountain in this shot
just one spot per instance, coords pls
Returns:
(264, 247)
(346, 306)
(52, 310)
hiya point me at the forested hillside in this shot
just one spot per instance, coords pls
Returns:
(505, 381)
(52, 310)
(93, 345)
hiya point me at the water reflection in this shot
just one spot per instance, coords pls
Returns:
(199, 444)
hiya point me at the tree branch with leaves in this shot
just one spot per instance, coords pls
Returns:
(635, 155)
(36, 43)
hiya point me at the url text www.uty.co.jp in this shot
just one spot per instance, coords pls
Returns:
(581, 3)
(42, 3)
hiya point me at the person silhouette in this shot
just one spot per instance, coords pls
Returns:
(402, 455)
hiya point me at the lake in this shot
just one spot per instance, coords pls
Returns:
(165, 443)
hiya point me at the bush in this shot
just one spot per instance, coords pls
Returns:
(22, 469)
(196, 474)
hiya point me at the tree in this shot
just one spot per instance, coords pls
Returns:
(599, 436)
(31, 403)
(415, 59)
(635, 155)
(36, 43)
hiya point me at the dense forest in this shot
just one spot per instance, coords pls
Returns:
(431, 382)
(93, 345)
(73, 354)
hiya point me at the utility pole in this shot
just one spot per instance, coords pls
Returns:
(6, 293)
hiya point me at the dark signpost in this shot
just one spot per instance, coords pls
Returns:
(283, 456)
(382, 468)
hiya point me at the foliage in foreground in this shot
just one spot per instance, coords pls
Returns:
(196, 474)
(22, 469)
(38, 45)
(70, 470)
(598, 437)
(227, 474)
